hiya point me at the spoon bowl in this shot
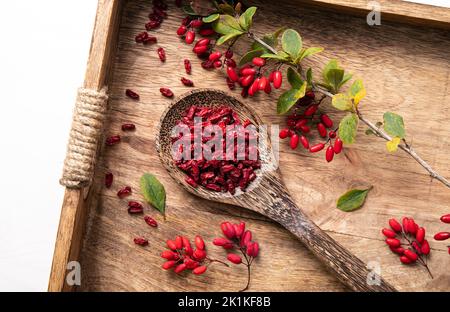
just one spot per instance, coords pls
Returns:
(266, 195)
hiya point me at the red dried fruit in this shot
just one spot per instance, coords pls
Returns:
(199, 270)
(124, 192)
(166, 92)
(405, 260)
(231, 63)
(329, 154)
(113, 140)
(206, 32)
(304, 142)
(420, 235)
(131, 94)
(397, 250)
(152, 24)
(128, 127)
(181, 30)
(162, 54)
(228, 230)
(284, 133)
(446, 218)
(263, 83)
(141, 241)
(109, 178)
(395, 225)
(247, 71)
(311, 110)
(389, 233)
(179, 242)
(168, 265)
(222, 242)
(332, 134)
(150, 40)
(425, 248)
(187, 82)
(190, 37)
(199, 243)
(171, 244)
(215, 56)
(135, 207)
(294, 141)
(200, 50)
(217, 64)
(338, 146)
(199, 254)
(258, 61)
(197, 23)
(150, 221)
(180, 268)
(246, 238)
(326, 120)
(191, 181)
(277, 79)
(442, 236)
(141, 36)
(234, 258)
(187, 66)
(411, 255)
(393, 242)
(229, 54)
(322, 130)
(317, 148)
(169, 255)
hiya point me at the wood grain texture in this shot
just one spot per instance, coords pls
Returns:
(76, 202)
(405, 69)
(391, 10)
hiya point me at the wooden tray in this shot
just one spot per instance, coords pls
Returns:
(405, 68)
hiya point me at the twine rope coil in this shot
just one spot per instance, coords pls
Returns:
(87, 126)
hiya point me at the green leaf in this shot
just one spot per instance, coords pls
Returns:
(346, 78)
(274, 56)
(308, 52)
(231, 21)
(369, 132)
(226, 25)
(332, 64)
(211, 18)
(309, 76)
(392, 145)
(247, 17)
(357, 91)
(226, 8)
(189, 10)
(248, 57)
(342, 101)
(334, 78)
(289, 98)
(348, 128)
(153, 192)
(270, 39)
(294, 78)
(352, 200)
(292, 43)
(227, 37)
(393, 125)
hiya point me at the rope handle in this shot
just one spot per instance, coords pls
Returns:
(87, 126)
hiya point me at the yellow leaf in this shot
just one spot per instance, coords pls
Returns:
(357, 91)
(342, 101)
(392, 145)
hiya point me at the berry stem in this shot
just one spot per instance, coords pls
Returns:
(421, 260)
(218, 261)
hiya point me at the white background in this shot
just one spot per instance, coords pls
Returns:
(43, 54)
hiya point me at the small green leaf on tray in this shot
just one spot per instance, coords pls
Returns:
(352, 200)
(153, 192)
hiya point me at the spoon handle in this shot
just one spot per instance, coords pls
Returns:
(349, 269)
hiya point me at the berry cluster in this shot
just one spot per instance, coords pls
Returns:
(239, 239)
(306, 116)
(181, 256)
(221, 174)
(408, 241)
(441, 236)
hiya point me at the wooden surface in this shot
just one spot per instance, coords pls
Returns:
(391, 10)
(405, 69)
(76, 202)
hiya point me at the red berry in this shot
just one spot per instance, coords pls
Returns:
(206, 32)
(310, 94)
(171, 244)
(168, 265)
(268, 88)
(420, 235)
(405, 260)
(284, 133)
(446, 218)
(294, 141)
(228, 54)
(221, 242)
(393, 242)
(215, 56)
(247, 71)
(150, 221)
(162, 54)
(230, 62)
(199, 270)
(239, 229)
(257, 61)
(317, 148)
(179, 242)
(329, 154)
(197, 23)
(166, 92)
(326, 120)
(236, 259)
(338, 145)
(395, 225)
(141, 241)
(304, 129)
(187, 66)
(131, 94)
(397, 250)
(228, 230)
(246, 238)
(442, 236)
(169, 255)
(203, 42)
(277, 79)
(332, 134)
(322, 130)
(425, 248)
(199, 254)
(180, 268)
(128, 127)
(200, 49)
(388, 233)
(411, 255)
(199, 243)
(181, 30)
(217, 64)
(262, 83)
(247, 80)
(190, 37)
(135, 207)
(311, 110)
(187, 82)
(231, 72)
(124, 192)
(113, 140)
(405, 225)
(304, 142)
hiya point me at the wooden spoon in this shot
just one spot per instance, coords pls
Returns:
(266, 195)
